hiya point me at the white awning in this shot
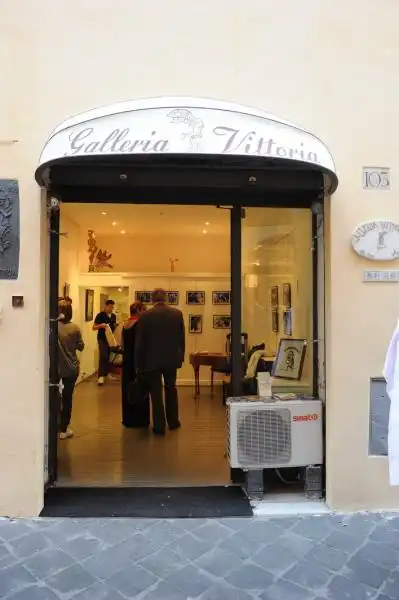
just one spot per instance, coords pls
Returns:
(185, 126)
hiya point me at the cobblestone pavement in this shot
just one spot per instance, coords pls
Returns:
(309, 558)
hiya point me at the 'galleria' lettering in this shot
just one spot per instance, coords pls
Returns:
(116, 141)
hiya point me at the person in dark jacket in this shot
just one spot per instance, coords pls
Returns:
(135, 410)
(159, 352)
(69, 342)
(105, 318)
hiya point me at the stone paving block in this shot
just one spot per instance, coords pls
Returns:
(263, 532)
(84, 546)
(296, 544)
(71, 580)
(250, 577)
(164, 591)
(314, 528)
(116, 530)
(7, 561)
(107, 563)
(222, 591)
(236, 523)
(213, 532)
(161, 564)
(99, 591)
(218, 562)
(14, 579)
(343, 541)
(132, 580)
(34, 592)
(30, 544)
(190, 581)
(380, 554)
(241, 546)
(331, 558)
(189, 524)
(366, 572)
(11, 529)
(189, 547)
(309, 575)
(164, 533)
(47, 563)
(63, 530)
(359, 525)
(385, 535)
(391, 586)
(342, 588)
(275, 559)
(285, 590)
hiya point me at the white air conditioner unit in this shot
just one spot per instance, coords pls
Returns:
(265, 434)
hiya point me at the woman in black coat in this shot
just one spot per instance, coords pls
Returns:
(135, 410)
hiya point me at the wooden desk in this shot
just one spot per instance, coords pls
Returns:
(215, 360)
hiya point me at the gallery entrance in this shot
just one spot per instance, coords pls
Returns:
(248, 174)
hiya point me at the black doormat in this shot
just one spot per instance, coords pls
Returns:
(149, 503)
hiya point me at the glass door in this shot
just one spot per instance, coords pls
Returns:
(277, 291)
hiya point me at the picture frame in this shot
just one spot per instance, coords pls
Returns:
(195, 298)
(287, 295)
(143, 296)
(172, 298)
(274, 296)
(195, 323)
(89, 305)
(289, 359)
(221, 298)
(221, 321)
(275, 321)
(287, 321)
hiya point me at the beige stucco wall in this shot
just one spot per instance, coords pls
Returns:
(329, 66)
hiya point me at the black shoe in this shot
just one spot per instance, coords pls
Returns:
(158, 431)
(177, 426)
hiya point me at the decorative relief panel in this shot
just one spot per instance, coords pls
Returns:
(9, 229)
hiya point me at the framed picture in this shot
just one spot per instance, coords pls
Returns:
(221, 321)
(221, 298)
(289, 360)
(197, 298)
(172, 298)
(275, 321)
(89, 305)
(287, 321)
(287, 295)
(195, 323)
(274, 296)
(144, 297)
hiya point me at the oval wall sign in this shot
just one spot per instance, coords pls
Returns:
(377, 240)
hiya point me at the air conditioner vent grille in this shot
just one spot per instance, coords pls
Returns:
(264, 436)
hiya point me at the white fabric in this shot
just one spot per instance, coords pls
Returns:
(391, 374)
(253, 363)
(112, 343)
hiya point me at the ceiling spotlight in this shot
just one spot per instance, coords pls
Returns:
(114, 223)
(104, 213)
(204, 231)
(123, 232)
(207, 223)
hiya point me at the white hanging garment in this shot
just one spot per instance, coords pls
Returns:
(391, 374)
(112, 343)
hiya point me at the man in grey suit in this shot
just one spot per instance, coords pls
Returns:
(159, 352)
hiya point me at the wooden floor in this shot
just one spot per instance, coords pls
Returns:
(103, 453)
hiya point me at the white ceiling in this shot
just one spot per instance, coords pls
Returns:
(138, 219)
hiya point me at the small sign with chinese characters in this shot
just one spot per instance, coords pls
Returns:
(381, 276)
(376, 178)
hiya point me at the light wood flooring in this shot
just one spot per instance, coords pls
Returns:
(104, 453)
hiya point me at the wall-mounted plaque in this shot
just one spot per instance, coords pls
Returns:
(377, 240)
(381, 276)
(376, 178)
(9, 229)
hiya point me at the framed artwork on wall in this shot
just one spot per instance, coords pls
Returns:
(287, 321)
(289, 359)
(274, 296)
(223, 297)
(172, 298)
(195, 323)
(195, 298)
(144, 297)
(89, 305)
(221, 321)
(287, 295)
(275, 321)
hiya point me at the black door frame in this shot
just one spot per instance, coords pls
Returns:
(234, 188)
